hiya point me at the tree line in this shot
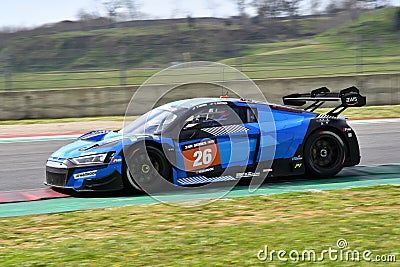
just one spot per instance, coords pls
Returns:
(120, 10)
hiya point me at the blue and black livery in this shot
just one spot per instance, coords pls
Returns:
(207, 140)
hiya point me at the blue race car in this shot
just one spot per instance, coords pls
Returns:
(207, 140)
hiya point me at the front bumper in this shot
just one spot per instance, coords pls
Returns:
(99, 178)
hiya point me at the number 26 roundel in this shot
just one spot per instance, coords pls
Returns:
(201, 155)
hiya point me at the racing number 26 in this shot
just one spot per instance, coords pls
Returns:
(202, 157)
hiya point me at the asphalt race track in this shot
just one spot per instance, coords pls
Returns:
(22, 165)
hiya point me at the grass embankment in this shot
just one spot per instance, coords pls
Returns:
(369, 44)
(300, 58)
(227, 232)
(351, 113)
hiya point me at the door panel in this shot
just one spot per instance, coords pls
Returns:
(208, 144)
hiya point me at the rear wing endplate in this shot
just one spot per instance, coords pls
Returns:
(349, 97)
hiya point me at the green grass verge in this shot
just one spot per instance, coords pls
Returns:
(226, 232)
(372, 112)
(351, 113)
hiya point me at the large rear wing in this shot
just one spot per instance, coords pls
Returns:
(349, 97)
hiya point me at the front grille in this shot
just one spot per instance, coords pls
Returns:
(56, 177)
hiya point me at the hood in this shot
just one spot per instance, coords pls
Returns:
(90, 143)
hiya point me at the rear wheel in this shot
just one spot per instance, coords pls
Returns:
(324, 154)
(147, 169)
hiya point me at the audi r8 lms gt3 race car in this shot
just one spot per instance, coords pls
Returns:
(206, 140)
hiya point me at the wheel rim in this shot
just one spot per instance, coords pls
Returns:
(145, 167)
(325, 152)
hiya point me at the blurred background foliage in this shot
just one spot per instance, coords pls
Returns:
(348, 37)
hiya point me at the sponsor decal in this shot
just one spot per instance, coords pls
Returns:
(267, 170)
(116, 160)
(298, 165)
(297, 162)
(85, 174)
(205, 170)
(210, 104)
(247, 174)
(348, 131)
(351, 100)
(199, 106)
(323, 121)
(199, 144)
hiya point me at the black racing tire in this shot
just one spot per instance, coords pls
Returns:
(324, 154)
(146, 169)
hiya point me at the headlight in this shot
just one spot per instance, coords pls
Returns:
(91, 159)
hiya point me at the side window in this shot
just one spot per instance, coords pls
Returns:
(213, 116)
(252, 114)
(247, 114)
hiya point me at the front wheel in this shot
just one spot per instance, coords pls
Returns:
(147, 169)
(324, 154)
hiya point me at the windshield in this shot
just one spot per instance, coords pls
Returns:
(152, 122)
